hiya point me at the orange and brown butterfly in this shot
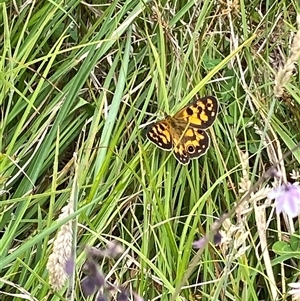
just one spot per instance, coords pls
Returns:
(184, 133)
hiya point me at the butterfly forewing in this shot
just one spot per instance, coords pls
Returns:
(159, 133)
(201, 113)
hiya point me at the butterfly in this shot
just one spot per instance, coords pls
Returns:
(184, 133)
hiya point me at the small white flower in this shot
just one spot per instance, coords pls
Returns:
(295, 175)
(295, 291)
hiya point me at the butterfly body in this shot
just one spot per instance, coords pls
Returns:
(185, 131)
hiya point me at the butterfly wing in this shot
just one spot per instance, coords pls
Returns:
(184, 132)
(193, 144)
(200, 114)
(159, 134)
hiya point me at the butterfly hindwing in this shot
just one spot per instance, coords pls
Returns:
(201, 113)
(192, 145)
(159, 133)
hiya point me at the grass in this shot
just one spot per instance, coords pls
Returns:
(79, 84)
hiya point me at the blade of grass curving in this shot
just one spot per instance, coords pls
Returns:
(113, 112)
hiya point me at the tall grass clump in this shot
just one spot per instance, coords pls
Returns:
(89, 209)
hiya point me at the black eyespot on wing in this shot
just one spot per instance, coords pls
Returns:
(199, 146)
(191, 149)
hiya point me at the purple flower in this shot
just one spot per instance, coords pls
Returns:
(287, 199)
(101, 297)
(217, 238)
(200, 243)
(70, 266)
(122, 296)
(94, 280)
(88, 286)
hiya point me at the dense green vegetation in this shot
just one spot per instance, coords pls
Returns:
(79, 84)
